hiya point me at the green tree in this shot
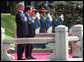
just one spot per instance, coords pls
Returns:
(72, 10)
(13, 7)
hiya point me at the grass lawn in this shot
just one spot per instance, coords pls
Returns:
(8, 23)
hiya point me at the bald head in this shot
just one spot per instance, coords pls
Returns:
(20, 6)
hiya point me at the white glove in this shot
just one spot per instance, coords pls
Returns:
(38, 15)
(50, 17)
(62, 17)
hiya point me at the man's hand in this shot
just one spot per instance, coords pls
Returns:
(25, 18)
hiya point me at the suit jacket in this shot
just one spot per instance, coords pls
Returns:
(22, 27)
(30, 25)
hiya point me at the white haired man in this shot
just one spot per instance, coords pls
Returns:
(22, 30)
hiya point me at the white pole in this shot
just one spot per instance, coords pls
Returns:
(77, 30)
(61, 43)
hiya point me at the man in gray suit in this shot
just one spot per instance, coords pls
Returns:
(22, 30)
(28, 13)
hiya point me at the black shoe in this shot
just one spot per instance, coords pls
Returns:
(30, 57)
(22, 59)
(75, 57)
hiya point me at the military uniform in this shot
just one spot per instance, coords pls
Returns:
(37, 23)
(48, 24)
(43, 24)
(55, 23)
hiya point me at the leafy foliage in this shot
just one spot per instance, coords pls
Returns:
(8, 23)
(72, 10)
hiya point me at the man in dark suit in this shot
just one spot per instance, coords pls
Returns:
(28, 13)
(22, 30)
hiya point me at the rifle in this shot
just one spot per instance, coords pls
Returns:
(52, 12)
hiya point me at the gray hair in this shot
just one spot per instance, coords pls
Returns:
(20, 4)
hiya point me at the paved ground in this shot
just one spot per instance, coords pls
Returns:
(38, 56)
